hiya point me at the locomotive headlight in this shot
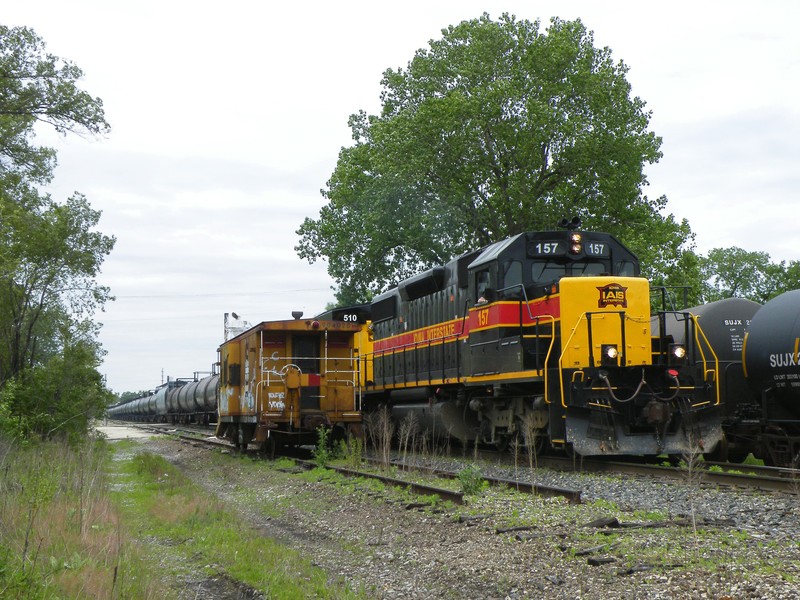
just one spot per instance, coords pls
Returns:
(609, 354)
(575, 245)
(677, 352)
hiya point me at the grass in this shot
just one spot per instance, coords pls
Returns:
(60, 536)
(92, 522)
(169, 509)
(89, 522)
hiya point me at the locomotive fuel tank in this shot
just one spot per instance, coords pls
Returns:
(772, 349)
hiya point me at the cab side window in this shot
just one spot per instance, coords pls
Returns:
(512, 278)
(482, 284)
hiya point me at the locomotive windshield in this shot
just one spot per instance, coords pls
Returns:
(552, 270)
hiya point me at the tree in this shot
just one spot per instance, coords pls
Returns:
(736, 273)
(51, 255)
(50, 252)
(62, 392)
(494, 129)
(38, 87)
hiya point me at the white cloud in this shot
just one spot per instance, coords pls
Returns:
(227, 123)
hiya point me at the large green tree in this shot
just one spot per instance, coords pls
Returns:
(736, 273)
(51, 254)
(494, 129)
(50, 251)
(37, 87)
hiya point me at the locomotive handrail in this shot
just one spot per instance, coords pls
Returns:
(699, 330)
(564, 346)
(521, 300)
(549, 350)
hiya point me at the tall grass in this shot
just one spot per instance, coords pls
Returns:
(60, 536)
(197, 528)
(76, 524)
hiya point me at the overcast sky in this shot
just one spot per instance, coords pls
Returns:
(227, 120)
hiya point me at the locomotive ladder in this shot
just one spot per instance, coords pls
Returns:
(601, 421)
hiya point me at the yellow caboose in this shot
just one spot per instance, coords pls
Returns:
(282, 380)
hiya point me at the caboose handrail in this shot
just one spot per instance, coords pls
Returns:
(346, 377)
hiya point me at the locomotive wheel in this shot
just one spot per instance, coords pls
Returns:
(508, 442)
(538, 446)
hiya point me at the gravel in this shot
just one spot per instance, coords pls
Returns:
(677, 540)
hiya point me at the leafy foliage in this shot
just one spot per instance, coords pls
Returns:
(471, 480)
(494, 129)
(734, 272)
(50, 252)
(39, 87)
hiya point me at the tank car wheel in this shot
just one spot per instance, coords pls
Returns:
(723, 453)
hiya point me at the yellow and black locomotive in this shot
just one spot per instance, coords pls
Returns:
(546, 336)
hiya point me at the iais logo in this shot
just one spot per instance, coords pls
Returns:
(613, 294)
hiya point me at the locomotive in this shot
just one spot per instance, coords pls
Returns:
(543, 336)
(279, 381)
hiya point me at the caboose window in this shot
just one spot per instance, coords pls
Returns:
(306, 353)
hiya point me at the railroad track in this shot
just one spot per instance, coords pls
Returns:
(736, 475)
(195, 436)
(710, 473)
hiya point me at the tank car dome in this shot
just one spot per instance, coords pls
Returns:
(772, 347)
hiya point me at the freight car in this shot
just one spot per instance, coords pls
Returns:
(279, 382)
(757, 349)
(542, 337)
(725, 323)
(771, 364)
(176, 401)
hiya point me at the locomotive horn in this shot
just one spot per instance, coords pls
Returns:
(571, 225)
